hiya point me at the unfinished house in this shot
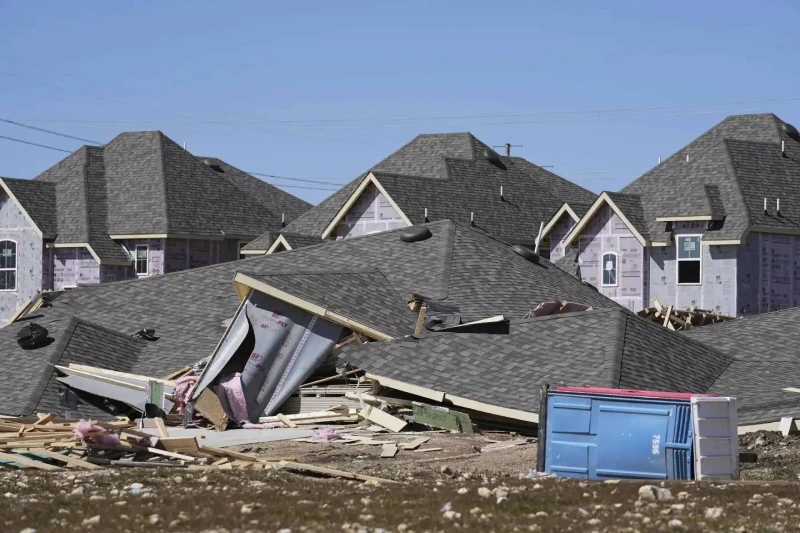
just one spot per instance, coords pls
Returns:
(361, 284)
(436, 177)
(715, 226)
(138, 206)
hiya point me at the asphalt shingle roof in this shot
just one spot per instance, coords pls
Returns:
(265, 240)
(604, 347)
(766, 353)
(448, 175)
(144, 183)
(38, 199)
(729, 170)
(458, 264)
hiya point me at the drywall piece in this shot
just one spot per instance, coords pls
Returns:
(373, 414)
(235, 437)
(788, 426)
(371, 213)
(606, 233)
(15, 227)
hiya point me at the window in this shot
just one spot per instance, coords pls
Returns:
(142, 268)
(610, 262)
(8, 266)
(242, 244)
(689, 260)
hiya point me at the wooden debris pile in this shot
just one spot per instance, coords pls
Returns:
(680, 319)
(45, 442)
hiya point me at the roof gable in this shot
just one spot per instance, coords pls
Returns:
(37, 199)
(619, 203)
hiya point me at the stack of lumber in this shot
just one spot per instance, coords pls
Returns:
(45, 442)
(679, 319)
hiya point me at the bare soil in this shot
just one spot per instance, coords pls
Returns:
(430, 485)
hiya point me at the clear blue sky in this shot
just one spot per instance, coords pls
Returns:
(93, 69)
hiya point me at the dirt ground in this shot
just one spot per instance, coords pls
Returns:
(454, 489)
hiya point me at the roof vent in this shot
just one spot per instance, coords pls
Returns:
(526, 252)
(415, 233)
(32, 336)
(214, 163)
(148, 334)
(791, 131)
(493, 157)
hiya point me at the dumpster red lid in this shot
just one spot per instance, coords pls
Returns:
(632, 392)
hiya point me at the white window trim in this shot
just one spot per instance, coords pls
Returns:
(679, 259)
(16, 266)
(602, 269)
(136, 260)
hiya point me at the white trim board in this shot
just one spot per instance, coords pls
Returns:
(458, 401)
(603, 198)
(281, 240)
(246, 281)
(370, 178)
(565, 208)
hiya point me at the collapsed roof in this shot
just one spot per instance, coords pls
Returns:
(143, 183)
(602, 347)
(451, 176)
(478, 274)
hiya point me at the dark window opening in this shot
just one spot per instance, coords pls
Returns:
(688, 272)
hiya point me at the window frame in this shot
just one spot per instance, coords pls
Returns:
(616, 269)
(242, 244)
(16, 266)
(678, 259)
(136, 260)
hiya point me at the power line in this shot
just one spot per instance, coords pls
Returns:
(273, 176)
(303, 187)
(35, 144)
(51, 132)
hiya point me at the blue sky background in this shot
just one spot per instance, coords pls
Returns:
(304, 89)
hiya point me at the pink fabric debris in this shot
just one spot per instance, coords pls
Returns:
(326, 434)
(232, 384)
(86, 431)
(183, 386)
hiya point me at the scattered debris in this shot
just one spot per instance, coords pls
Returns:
(680, 319)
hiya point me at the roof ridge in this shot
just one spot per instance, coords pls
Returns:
(619, 356)
(317, 272)
(449, 243)
(55, 355)
(739, 192)
(160, 147)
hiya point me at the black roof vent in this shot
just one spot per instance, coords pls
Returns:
(32, 336)
(526, 252)
(791, 131)
(415, 233)
(148, 334)
(214, 163)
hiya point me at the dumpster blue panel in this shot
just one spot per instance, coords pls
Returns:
(602, 437)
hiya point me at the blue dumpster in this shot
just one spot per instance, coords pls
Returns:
(598, 433)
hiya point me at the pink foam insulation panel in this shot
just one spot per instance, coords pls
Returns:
(14, 226)
(557, 235)
(769, 275)
(606, 233)
(73, 267)
(371, 213)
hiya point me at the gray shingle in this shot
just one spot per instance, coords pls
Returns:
(187, 309)
(607, 348)
(448, 175)
(38, 199)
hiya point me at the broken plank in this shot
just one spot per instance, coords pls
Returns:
(425, 450)
(329, 378)
(383, 419)
(389, 450)
(178, 374)
(414, 444)
(179, 444)
(503, 445)
(209, 406)
(228, 453)
(442, 417)
(332, 472)
(72, 461)
(221, 461)
(667, 316)
(162, 427)
(27, 462)
(286, 421)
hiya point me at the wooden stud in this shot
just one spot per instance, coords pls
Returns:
(286, 421)
(162, 427)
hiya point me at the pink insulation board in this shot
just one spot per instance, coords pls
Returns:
(155, 256)
(560, 230)
(73, 267)
(15, 227)
(606, 233)
(371, 213)
(771, 270)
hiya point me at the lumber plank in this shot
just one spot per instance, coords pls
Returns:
(420, 320)
(177, 374)
(329, 378)
(228, 453)
(389, 450)
(332, 472)
(208, 405)
(667, 316)
(27, 462)
(425, 450)
(383, 419)
(179, 444)
(286, 421)
(162, 427)
(72, 461)
(416, 443)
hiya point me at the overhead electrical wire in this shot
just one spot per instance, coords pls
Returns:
(51, 132)
(35, 144)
